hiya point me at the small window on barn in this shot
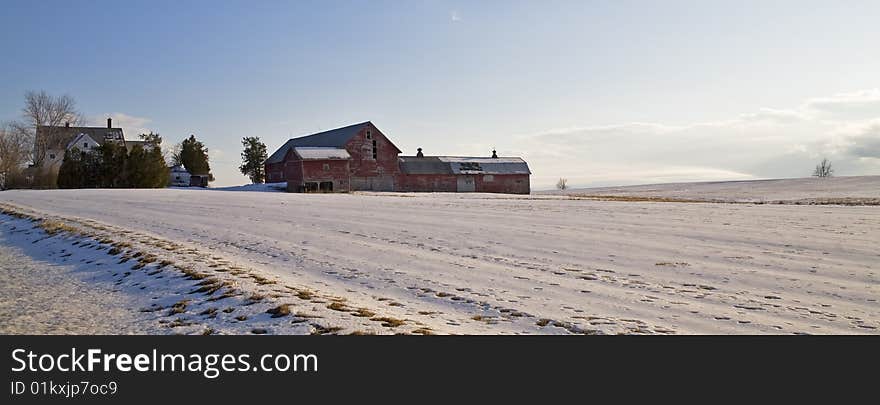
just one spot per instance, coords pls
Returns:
(488, 178)
(375, 154)
(369, 134)
(85, 144)
(326, 167)
(51, 156)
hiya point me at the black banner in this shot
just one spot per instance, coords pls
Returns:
(221, 369)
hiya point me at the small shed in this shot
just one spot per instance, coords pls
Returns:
(199, 180)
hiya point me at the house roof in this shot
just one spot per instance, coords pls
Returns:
(424, 165)
(60, 137)
(463, 165)
(321, 153)
(334, 138)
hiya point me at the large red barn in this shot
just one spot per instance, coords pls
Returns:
(361, 157)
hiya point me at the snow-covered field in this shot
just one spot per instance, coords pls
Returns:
(470, 263)
(812, 190)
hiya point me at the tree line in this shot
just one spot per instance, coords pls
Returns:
(112, 165)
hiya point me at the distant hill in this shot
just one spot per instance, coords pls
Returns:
(854, 190)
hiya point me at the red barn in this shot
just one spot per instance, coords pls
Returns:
(361, 157)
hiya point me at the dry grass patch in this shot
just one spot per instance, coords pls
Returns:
(254, 298)
(210, 285)
(304, 295)
(53, 228)
(279, 311)
(672, 264)
(325, 330)
(389, 322)
(337, 306)
(363, 313)
(179, 307)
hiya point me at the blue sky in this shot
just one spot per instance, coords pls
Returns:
(601, 92)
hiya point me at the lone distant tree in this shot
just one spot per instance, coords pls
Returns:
(823, 169)
(562, 184)
(194, 157)
(252, 158)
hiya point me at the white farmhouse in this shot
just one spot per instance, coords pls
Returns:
(179, 177)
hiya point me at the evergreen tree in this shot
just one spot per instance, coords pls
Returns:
(110, 160)
(156, 172)
(135, 174)
(71, 173)
(194, 157)
(252, 159)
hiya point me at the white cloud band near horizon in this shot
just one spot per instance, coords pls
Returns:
(769, 143)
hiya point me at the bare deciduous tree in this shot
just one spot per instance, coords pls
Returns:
(173, 155)
(823, 169)
(15, 147)
(562, 184)
(44, 110)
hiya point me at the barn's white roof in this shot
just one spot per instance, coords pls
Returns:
(318, 152)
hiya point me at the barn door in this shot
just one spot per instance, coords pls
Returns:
(466, 184)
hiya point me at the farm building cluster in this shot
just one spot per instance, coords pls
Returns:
(360, 157)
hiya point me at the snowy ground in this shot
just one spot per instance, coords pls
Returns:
(475, 263)
(81, 300)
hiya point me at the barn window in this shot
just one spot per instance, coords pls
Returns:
(85, 144)
(326, 167)
(375, 154)
(488, 178)
(369, 134)
(51, 156)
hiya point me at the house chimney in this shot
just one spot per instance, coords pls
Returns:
(494, 155)
(109, 123)
(420, 154)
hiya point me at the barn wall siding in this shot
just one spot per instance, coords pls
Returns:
(300, 172)
(372, 174)
(448, 183)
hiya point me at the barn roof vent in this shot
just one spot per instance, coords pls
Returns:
(494, 154)
(420, 154)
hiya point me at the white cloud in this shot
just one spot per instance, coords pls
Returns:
(454, 16)
(131, 125)
(863, 104)
(215, 154)
(765, 144)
